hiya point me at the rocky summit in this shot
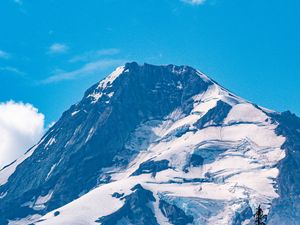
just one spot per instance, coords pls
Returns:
(152, 145)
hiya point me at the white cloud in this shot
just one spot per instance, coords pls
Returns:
(194, 2)
(93, 55)
(57, 48)
(21, 126)
(9, 69)
(87, 69)
(4, 55)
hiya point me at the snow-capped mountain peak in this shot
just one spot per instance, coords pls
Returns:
(156, 145)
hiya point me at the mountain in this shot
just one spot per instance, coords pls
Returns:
(158, 145)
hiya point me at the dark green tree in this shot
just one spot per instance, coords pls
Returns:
(260, 218)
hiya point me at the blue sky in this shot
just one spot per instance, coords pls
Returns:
(51, 51)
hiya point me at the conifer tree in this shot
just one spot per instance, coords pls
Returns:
(260, 218)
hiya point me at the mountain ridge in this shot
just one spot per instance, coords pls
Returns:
(169, 129)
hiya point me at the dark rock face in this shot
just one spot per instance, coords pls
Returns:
(174, 214)
(196, 160)
(152, 167)
(117, 195)
(216, 115)
(135, 210)
(204, 155)
(70, 159)
(285, 210)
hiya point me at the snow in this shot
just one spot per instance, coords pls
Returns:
(52, 169)
(239, 169)
(245, 112)
(161, 219)
(90, 134)
(6, 172)
(107, 82)
(90, 206)
(75, 112)
(41, 200)
(179, 85)
(110, 94)
(50, 142)
(111, 78)
(180, 70)
(95, 96)
(2, 195)
(25, 221)
(242, 170)
(203, 76)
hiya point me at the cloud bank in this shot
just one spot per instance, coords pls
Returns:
(21, 126)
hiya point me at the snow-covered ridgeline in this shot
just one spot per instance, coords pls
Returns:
(7, 171)
(214, 157)
(107, 82)
(242, 155)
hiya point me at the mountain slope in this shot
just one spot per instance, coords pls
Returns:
(162, 144)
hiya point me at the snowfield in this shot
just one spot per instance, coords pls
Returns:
(213, 165)
(244, 170)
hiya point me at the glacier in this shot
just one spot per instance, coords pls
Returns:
(158, 145)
